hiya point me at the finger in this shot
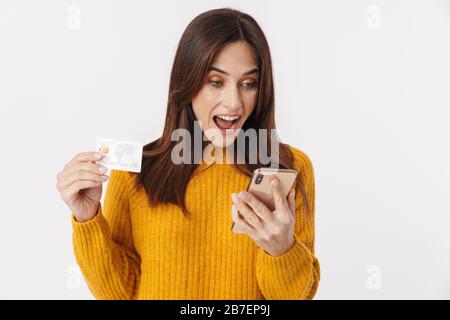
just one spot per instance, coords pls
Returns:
(240, 223)
(79, 185)
(258, 207)
(85, 156)
(291, 201)
(235, 217)
(246, 212)
(278, 199)
(82, 175)
(91, 167)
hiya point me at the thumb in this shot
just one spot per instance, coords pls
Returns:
(279, 201)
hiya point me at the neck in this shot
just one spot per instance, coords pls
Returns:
(220, 155)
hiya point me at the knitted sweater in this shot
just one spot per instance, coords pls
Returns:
(130, 250)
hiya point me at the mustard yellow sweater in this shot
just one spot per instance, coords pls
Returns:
(132, 251)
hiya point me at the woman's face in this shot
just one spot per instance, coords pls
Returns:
(229, 93)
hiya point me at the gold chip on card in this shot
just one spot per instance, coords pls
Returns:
(104, 149)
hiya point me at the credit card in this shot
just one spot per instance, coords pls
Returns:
(120, 154)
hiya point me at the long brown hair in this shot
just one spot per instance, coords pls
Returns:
(163, 180)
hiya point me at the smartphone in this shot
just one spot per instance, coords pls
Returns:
(260, 186)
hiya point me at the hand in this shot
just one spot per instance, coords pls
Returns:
(80, 185)
(273, 231)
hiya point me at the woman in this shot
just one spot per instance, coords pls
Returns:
(165, 233)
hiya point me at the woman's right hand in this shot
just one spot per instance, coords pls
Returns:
(80, 185)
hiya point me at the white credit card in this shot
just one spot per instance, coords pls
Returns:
(120, 154)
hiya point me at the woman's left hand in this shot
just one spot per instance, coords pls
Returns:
(273, 231)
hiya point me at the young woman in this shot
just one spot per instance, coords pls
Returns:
(166, 233)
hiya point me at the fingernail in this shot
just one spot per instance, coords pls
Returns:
(98, 155)
(234, 197)
(101, 169)
(275, 183)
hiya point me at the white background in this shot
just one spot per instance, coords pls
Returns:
(363, 87)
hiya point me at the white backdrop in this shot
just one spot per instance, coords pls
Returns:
(363, 87)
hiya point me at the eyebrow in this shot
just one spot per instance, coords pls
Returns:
(255, 70)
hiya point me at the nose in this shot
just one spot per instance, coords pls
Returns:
(232, 99)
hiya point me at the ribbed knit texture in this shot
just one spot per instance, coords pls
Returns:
(132, 251)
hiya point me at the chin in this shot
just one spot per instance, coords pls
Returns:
(222, 142)
(220, 139)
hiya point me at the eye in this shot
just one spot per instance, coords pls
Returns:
(249, 85)
(215, 83)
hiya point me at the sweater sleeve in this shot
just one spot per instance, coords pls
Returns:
(103, 245)
(294, 275)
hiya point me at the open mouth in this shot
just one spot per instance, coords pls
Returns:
(226, 122)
